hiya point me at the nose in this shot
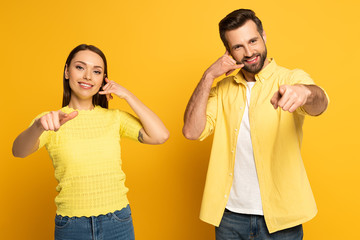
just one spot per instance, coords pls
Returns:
(248, 51)
(87, 75)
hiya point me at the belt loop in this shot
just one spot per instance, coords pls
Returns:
(93, 230)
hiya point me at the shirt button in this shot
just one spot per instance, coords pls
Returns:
(230, 174)
(232, 151)
(225, 196)
(235, 129)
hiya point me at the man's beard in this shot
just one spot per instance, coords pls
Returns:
(255, 68)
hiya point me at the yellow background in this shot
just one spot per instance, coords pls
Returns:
(159, 50)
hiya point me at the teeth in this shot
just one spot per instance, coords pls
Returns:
(85, 85)
(250, 60)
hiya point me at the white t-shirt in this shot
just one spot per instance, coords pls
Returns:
(245, 191)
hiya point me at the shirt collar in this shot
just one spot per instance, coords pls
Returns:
(264, 74)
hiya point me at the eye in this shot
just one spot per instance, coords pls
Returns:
(236, 47)
(79, 67)
(97, 72)
(253, 41)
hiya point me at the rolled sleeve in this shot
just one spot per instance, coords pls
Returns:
(300, 77)
(211, 113)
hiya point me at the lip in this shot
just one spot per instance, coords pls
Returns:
(85, 85)
(252, 60)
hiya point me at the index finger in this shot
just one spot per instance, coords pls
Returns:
(67, 117)
(61, 114)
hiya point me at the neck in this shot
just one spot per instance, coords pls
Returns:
(250, 77)
(81, 104)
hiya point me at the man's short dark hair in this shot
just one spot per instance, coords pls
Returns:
(235, 20)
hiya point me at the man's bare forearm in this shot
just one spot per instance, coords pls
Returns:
(317, 101)
(195, 113)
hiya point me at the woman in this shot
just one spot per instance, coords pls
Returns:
(82, 139)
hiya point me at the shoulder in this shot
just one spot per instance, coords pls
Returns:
(292, 76)
(226, 82)
(116, 113)
(107, 114)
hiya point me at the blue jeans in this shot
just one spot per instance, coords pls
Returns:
(112, 226)
(236, 226)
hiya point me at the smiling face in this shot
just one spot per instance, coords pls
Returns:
(248, 47)
(86, 75)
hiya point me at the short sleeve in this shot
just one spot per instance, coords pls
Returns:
(211, 113)
(129, 125)
(44, 137)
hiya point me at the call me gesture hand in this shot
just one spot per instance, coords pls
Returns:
(195, 113)
(224, 65)
(113, 87)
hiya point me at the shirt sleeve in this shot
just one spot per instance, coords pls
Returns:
(44, 137)
(129, 125)
(300, 77)
(211, 113)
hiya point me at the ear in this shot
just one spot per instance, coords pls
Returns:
(66, 72)
(264, 36)
(104, 82)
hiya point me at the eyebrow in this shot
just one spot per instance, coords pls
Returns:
(254, 38)
(86, 64)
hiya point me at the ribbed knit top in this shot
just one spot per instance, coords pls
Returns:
(86, 156)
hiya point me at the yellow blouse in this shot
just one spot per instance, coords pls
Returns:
(87, 161)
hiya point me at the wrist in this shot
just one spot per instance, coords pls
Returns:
(208, 77)
(37, 126)
(308, 93)
(128, 96)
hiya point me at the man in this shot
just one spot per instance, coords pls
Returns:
(256, 185)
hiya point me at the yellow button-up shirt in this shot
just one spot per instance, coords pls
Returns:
(276, 136)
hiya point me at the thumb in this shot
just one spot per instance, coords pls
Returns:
(233, 68)
(282, 89)
(64, 117)
(239, 65)
(275, 99)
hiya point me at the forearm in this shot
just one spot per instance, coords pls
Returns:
(154, 128)
(28, 141)
(195, 113)
(316, 102)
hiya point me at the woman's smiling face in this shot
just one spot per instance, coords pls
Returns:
(85, 74)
